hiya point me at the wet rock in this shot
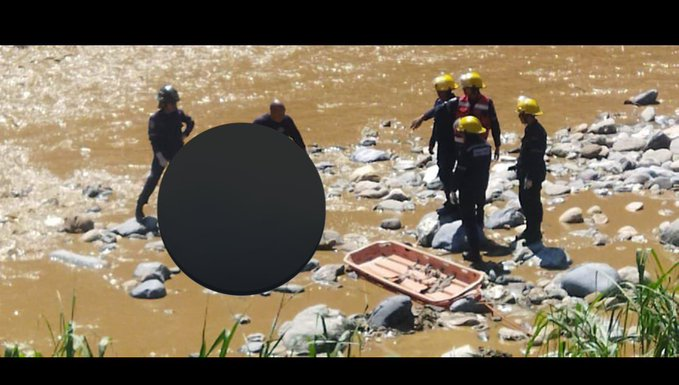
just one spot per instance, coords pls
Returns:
(634, 206)
(311, 265)
(151, 289)
(590, 151)
(603, 127)
(131, 226)
(553, 189)
(289, 288)
(157, 246)
(670, 234)
(393, 313)
(552, 258)
(629, 144)
(365, 186)
(154, 269)
(505, 218)
(97, 191)
(77, 224)
(365, 173)
(468, 305)
(427, 228)
(374, 194)
(626, 233)
(645, 98)
(329, 240)
(648, 114)
(572, 215)
(318, 325)
(464, 351)
(77, 260)
(397, 195)
(507, 334)
(589, 278)
(369, 155)
(393, 205)
(658, 141)
(391, 224)
(451, 237)
(328, 273)
(452, 320)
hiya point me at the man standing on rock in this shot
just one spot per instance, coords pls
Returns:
(530, 167)
(279, 121)
(476, 104)
(471, 175)
(442, 133)
(167, 138)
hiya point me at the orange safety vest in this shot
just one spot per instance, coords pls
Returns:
(480, 111)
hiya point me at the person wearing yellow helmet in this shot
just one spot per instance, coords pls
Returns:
(530, 167)
(471, 175)
(442, 133)
(475, 103)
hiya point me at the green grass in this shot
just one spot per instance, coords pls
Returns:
(636, 320)
(66, 343)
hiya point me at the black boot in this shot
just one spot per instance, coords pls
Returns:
(139, 212)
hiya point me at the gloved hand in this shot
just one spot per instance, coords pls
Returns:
(496, 156)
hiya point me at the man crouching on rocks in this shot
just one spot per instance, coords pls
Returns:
(167, 138)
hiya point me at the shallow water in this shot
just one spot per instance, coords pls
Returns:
(73, 116)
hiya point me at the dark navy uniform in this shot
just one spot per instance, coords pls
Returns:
(442, 133)
(531, 165)
(471, 176)
(166, 136)
(286, 127)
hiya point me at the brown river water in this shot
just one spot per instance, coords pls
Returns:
(73, 116)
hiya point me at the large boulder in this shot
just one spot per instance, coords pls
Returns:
(427, 228)
(452, 237)
(318, 325)
(645, 98)
(151, 289)
(507, 217)
(629, 144)
(393, 313)
(589, 278)
(657, 141)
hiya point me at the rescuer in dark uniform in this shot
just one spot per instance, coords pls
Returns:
(279, 121)
(167, 138)
(443, 113)
(530, 167)
(471, 176)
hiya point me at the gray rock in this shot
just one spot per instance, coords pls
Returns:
(427, 228)
(670, 234)
(553, 189)
(252, 347)
(453, 320)
(674, 146)
(626, 233)
(506, 217)
(469, 305)
(589, 278)
(606, 126)
(553, 258)
(600, 239)
(631, 274)
(290, 288)
(77, 260)
(367, 142)
(600, 219)
(311, 265)
(656, 157)
(393, 313)
(397, 195)
(97, 191)
(369, 155)
(629, 144)
(658, 141)
(242, 319)
(374, 194)
(392, 205)
(365, 186)
(404, 165)
(329, 240)
(151, 289)
(648, 114)
(507, 334)
(562, 150)
(391, 224)
(452, 237)
(590, 151)
(158, 246)
(366, 172)
(645, 98)
(572, 215)
(155, 269)
(408, 178)
(637, 177)
(662, 182)
(318, 325)
(464, 351)
(328, 273)
(131, 226)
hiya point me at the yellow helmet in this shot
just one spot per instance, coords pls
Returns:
(472, 79)
(470, 124)
(444, 82)
(528, 105)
